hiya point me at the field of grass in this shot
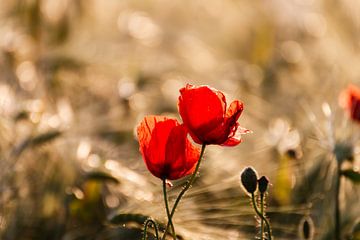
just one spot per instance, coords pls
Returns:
(76, 78)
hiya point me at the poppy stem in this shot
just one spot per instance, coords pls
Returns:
(168, 211)
(261, 215)
(146, 224)
(187, 186)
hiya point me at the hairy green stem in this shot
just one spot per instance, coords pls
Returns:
(167, 210)
(147, 222)
(262, 213)
(187, 186)
(261, 216)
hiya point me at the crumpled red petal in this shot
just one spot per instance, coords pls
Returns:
(235, 137)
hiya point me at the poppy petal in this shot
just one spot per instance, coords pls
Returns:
(153, 133)
(349, 99)
(181, 155)
(192, 156)
(202, 109)
(355, 109)
(166, 150)
(235, 137)
(234, 111)
(175, 153)
(145, 128)
(228, 128)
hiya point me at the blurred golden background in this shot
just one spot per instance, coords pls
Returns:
(77, 76)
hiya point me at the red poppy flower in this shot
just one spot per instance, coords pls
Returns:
(203, 111)
(167, 152)
(350, 100)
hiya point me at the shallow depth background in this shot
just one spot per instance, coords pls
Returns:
(77, 76)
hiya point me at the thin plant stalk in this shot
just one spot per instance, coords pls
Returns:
(147, 222)
(167, 210)
(187, 186)
(261, 215)
(337, 203)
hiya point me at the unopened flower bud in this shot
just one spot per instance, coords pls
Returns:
(294, 153)
(263, 184)
(306, 228)
(249, 179)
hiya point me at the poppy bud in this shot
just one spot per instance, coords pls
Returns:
(294, 153)
(263, 184)
(249, 179)
(306, 228)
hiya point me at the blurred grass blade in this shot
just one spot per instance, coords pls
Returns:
(117, 137)
(44, 138)
(123, 218)
(35, 141)
(101, 177)
(356, 231)
(23, 115)
(128, 217)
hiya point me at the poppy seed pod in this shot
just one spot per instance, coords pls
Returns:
(306, 228)
(249, 179)
(263, 184)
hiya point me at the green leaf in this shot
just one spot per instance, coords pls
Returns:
(44, 138)
(102, 177)
(352, 175)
